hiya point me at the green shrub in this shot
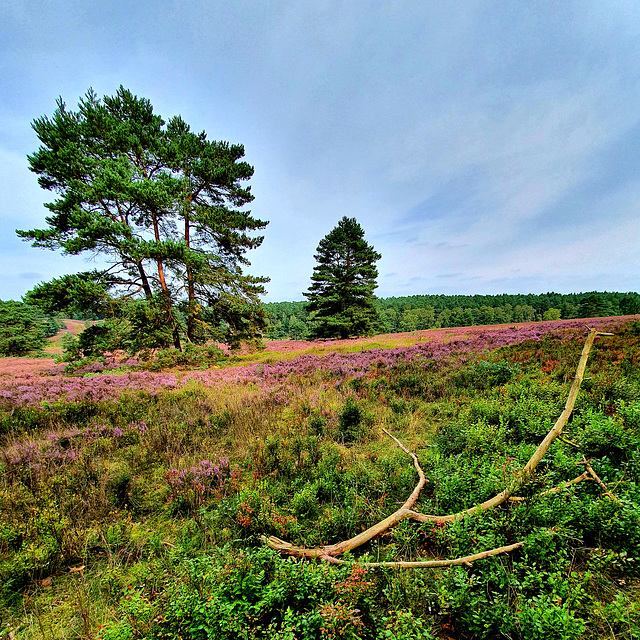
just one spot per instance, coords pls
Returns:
(403, 625)
(191, 356)
(485, 375)
(545, 617)
(602, 436)
(354, 422)
(225, 594)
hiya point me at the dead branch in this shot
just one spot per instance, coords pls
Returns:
(595, 476)
(434, 564)
(542, 449)
(564, 485)
(378, 528)
(329, 552)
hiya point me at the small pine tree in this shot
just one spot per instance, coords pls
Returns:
(21, 329)
(341, 300)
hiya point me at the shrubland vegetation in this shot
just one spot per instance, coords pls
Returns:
(133, 503)
(145, 478)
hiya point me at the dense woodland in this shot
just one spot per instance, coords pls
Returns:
(410, 313)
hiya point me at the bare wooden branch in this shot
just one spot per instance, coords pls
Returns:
(434, 564)
(567, 441)
(564, 485)
(347, 545)
(595, 476)
(329, 552)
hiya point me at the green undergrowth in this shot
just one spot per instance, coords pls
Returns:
(143, 517)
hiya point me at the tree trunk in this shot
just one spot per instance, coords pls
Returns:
(191, 310)
(166, 294)
(146, 287)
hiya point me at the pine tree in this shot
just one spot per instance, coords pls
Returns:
(341, 299)
(22, 329)
(163, 205)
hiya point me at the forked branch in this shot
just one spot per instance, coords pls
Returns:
(329, 552)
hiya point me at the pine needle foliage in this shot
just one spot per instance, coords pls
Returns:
(164, 206)
(342, 284)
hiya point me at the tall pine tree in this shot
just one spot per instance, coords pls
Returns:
(341, 296)
(163, 205)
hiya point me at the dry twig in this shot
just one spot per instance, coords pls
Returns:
(595, 476)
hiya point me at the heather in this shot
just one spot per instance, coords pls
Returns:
(133, 503)
(20, 387)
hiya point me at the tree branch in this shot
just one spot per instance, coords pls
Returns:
(329, 552)
(564, 485)
(433, 564)
(594, 475)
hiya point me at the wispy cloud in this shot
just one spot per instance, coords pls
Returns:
(482, 146)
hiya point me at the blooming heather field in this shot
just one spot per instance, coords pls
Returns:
(134, 504)
(25, 381)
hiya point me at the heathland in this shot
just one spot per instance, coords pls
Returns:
(137, 499)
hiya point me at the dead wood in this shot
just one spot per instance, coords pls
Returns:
(543, 447)
(329, 552)
(595, 477)
(434, 564)
(347, 545)
(564, 485)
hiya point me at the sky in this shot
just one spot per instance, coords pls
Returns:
(485, 147)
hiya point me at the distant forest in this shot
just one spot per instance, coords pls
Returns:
(411, 313)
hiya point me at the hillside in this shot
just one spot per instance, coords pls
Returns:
(136, 504)
(73, 327)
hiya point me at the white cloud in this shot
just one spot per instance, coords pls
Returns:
(461, 135)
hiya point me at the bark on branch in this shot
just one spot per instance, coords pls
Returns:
(434, 564)
(595, 477)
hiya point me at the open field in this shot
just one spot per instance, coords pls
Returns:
(133, 504)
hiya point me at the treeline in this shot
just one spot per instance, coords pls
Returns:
(411, 313)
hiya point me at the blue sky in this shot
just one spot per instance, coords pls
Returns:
(485, 147)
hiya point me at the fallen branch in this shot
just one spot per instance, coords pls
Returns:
(434, 564)
(564, 485)
(595, 476)
(540, 452)
(329, 552)
(347, 545)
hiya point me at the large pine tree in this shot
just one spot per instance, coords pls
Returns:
(341, 293)
(163, 205)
